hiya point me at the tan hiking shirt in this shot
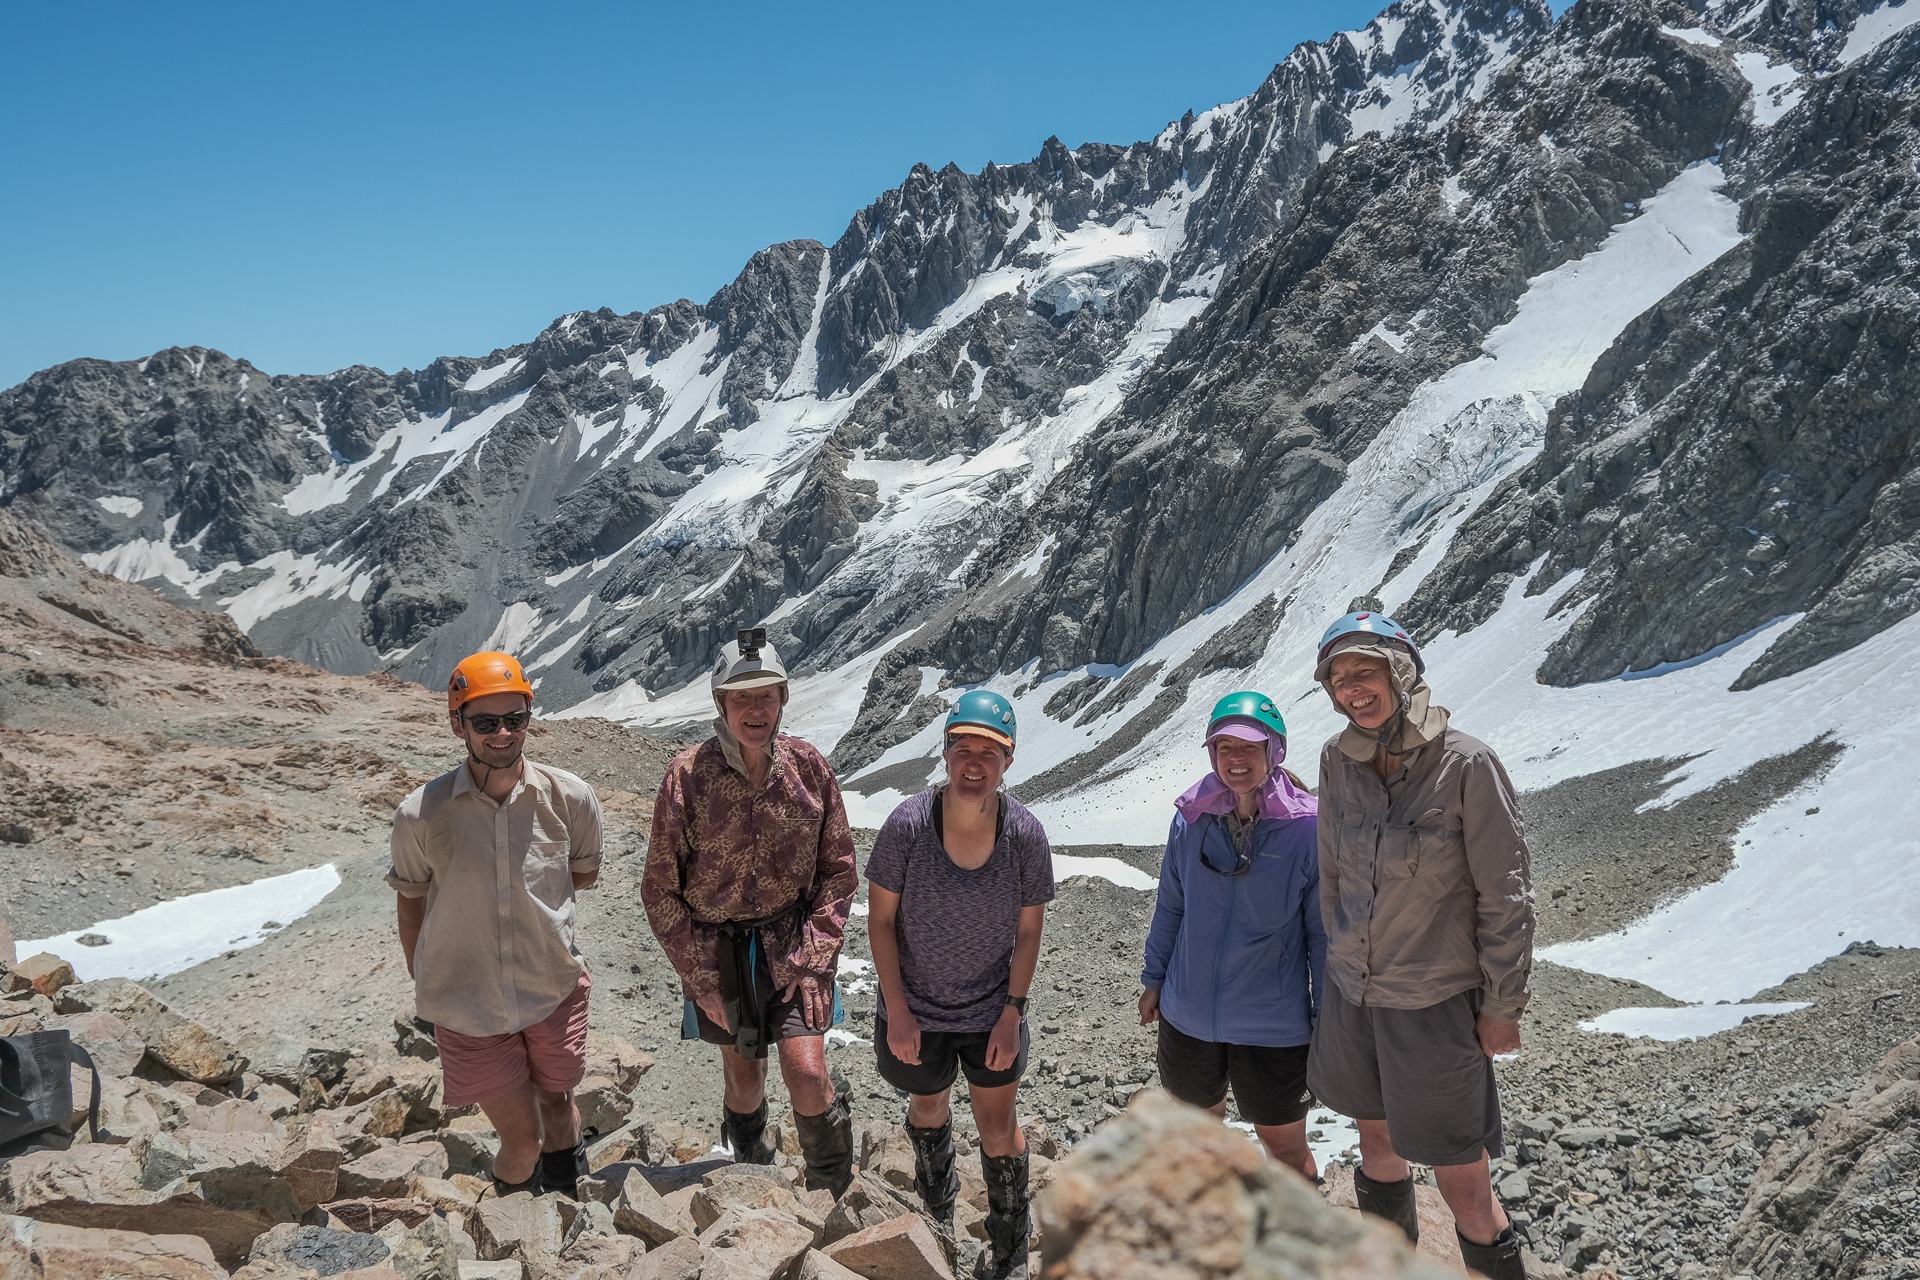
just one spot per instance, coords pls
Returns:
(1425, 880)
(496, 951)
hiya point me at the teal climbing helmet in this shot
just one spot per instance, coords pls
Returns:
(1250, 716)
(985, 713)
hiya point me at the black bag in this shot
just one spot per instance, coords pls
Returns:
(36, 1089)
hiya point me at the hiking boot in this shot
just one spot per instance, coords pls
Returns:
(1390, 1200)
(1008, 1223)
(562, 1170)
(934, 1176)
(1497, 1261)
(826, 1141)
(746, 1135)
(505, 1189)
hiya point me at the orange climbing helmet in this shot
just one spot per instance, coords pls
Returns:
(480, 674)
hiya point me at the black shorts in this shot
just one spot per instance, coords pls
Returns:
(1269, 1085)
(943, 1054)
(786, 1019)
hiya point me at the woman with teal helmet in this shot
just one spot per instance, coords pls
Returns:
(1235, 953)
(957, 886)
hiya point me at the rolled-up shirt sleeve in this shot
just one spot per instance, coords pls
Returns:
(1498, 858)
(409, 874)
(837, 878)
(583, 834)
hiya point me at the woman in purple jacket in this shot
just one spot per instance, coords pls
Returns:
(1236, 953)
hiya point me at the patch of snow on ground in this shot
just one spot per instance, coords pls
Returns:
(1876, 28)
(511, 632)
(1124, 874)
(1693, 35)
(1689, 1022)
(1776, 90)
(120, 506)
(487, 377)
(183, 932)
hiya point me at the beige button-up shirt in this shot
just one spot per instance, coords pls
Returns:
(496, 951)
(1426, 882)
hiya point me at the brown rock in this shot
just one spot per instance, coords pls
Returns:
(445, 1194)
(417, 1082)
(1167, 1190)
(385, 1172)
(733, 1189)
(610, 1056)
(328, 1250)
(818, 1266)
(682, 1259)
(232, 1115)
(31, 1250)
(115, 1049)
(310, 1161)
(753, 1244)
(181, 1046)
(869, 1201)
(1040, 1139)
(471, 1144)
(368, 1214)
(1438, 1239)
(101, 1186)
(382, 1116)
(9, 955)
(903, 1248)
(628, 1141)
(504, 1269)
(616, 1253)
(45, 973)
(522, 1225)
(604, 1106)
(125, 1112)
(642, 1211)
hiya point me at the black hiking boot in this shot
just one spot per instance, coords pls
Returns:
(562, 1170)
(1390, 1200)
(1497, 1261)
(746, 1135)
(505, 1189)
(934, 1176)
(1008, 1224)
(826, 1141)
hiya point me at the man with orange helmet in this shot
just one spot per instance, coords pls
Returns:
(486, 860)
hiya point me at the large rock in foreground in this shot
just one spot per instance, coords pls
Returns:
(32, 1250)
(1167, 1192)
(1839, 1203)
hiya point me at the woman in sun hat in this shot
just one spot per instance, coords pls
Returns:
(1426, 885)
(1235, 952)
(957, 885)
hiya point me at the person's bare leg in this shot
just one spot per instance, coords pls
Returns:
(1468, 1191)
(1287, 1143)
(1378, 1159)
(746, 1081)
(929, 1110)
(993, 1116)
(515, 1116)
(559, 1120)
(803, 1064)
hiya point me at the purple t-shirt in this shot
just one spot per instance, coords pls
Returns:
(956, 927)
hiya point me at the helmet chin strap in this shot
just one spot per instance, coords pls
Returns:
(492, 769)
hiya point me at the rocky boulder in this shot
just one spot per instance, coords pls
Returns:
(1167, 1190)
(31, 1250)
(1841, 1201)
(180, 1045)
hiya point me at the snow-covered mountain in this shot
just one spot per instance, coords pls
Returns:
(1581, 344)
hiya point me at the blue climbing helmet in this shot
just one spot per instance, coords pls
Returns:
(986, 714)
(1367, 623)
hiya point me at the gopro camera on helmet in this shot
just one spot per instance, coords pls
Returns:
(751, 640)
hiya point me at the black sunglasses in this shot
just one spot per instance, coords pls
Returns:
(1241, 861)
(512, 722)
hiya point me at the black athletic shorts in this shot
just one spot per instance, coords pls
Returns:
(1269, 1085)
(944, 1054)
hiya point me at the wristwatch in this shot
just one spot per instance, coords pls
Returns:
(1019, 1003)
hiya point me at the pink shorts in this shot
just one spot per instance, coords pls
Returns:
(552, 1053)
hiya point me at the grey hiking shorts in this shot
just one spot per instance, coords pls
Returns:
(1420, 1070)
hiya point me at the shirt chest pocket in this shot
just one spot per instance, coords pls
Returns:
(546, 871)
(1407, 848)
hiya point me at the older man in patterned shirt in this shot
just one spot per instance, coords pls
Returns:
(750, 875)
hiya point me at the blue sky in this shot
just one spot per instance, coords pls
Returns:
(309, 187)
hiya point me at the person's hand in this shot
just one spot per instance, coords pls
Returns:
(816, 1003)
(1497, 1037)
(714, 1008)
(903, 1038)
(1149, 1008)
(1003, 1046)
